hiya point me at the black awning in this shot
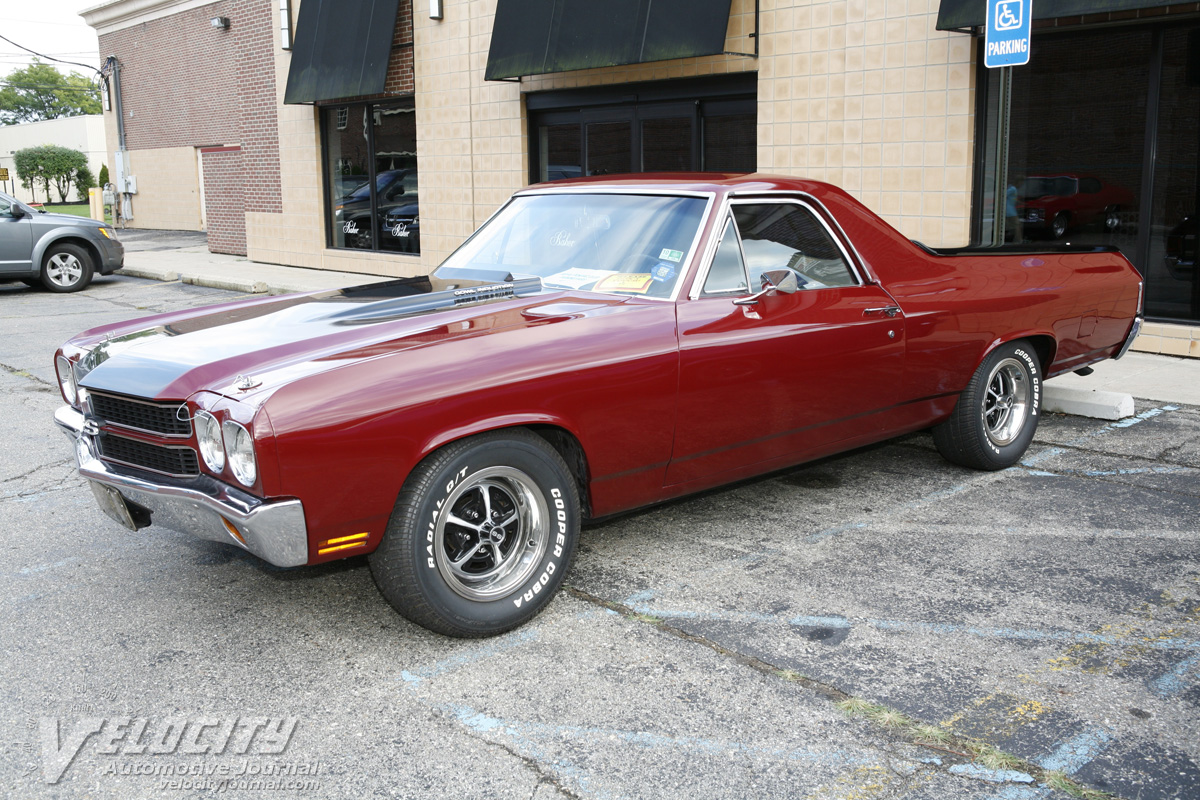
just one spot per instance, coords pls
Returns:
(341, 49)
(953, 14)
(533, 37)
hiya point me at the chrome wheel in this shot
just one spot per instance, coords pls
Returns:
(1006, 402)
(493, 533)
(64, 269)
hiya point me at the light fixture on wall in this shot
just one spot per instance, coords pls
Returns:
(219, 22)
(435, 9)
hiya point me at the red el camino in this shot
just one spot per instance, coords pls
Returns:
(598, 345)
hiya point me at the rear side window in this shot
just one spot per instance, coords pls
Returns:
(789, 236)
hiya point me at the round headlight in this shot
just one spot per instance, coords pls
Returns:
(208, 436)
(66, 379)
(240, 447)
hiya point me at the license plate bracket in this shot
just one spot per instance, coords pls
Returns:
(114, 505)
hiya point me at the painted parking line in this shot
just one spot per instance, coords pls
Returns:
(473, 655)
(1176, 682)
(1070, 756)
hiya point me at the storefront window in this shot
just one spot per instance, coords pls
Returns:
(371, 177)
(681, 125)
(1102, 150)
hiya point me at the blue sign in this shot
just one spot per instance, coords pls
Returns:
(1009, 23)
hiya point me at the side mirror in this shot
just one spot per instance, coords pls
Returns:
(15, 211)
(773, 280)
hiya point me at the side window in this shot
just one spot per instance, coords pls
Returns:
(728, 272)
(788, 236)
(5, 207)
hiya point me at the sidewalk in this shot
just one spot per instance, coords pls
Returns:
(155, 258)
(1107, 393)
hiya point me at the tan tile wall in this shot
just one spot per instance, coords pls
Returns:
(168, 182)
(1168, 340)
(868, 95)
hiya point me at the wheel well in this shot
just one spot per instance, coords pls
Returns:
(572, 452)
(90, 248)
(1045, 347)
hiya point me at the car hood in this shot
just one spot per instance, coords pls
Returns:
(50, 218)
(247, 350)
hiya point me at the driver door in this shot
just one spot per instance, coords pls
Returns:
(789, 376)
(16, 238)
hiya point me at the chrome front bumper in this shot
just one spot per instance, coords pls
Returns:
(202, 506)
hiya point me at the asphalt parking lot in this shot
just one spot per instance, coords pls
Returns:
(877, 625)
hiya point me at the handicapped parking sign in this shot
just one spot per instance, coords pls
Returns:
(1006, 41)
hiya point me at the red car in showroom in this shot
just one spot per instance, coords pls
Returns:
(596, 346)
(1055, 204)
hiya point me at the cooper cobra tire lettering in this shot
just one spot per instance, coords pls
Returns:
(499, 518)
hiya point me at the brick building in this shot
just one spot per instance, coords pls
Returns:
(295, 132)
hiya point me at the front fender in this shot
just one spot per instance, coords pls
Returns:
(64, 234)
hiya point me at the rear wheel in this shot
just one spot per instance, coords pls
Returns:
(481, 535)
(1112, 219)
(66, 267)
(997, 414)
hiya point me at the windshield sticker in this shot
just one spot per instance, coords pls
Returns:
(634, 282)
(578, 278)
(671, 255)
(663, 271)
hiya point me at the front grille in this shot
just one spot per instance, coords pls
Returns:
(169, 419)
(154, 457)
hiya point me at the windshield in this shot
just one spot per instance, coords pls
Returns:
(1039, 186)
(616, 243)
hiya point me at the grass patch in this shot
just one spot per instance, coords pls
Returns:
(932, 734)
(994, 758)
(77, 210)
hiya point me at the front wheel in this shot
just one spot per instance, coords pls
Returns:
(481, 535)
(997, 414)
(1059, 225)
(66, 268)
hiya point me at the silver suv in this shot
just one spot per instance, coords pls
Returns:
(59, 250)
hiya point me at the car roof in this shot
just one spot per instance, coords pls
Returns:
(705, 182)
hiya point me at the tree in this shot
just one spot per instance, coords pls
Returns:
(50, 164)
(103, 178)
(84, 181)
(40, 91)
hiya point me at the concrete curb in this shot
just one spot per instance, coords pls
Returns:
(1087, 402)
(150, 274)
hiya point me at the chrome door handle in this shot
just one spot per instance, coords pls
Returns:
(891, 311)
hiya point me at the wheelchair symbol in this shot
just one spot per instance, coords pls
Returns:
(1008, 15)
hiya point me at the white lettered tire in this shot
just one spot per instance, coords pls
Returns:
(481, 535)
(997, 414)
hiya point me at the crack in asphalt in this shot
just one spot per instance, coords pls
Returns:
(17, 372)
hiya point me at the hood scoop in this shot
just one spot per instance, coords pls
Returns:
(383, 310)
